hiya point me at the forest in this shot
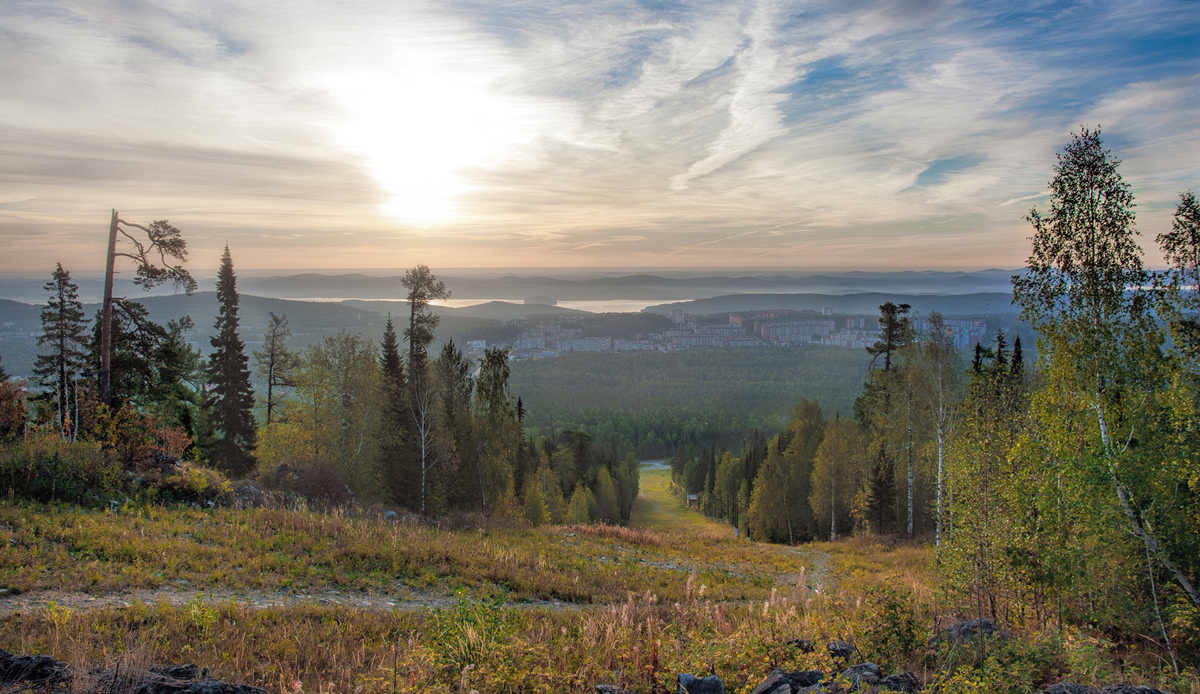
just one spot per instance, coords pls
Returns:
(655, 402)
(126, 410)
(1063, 490)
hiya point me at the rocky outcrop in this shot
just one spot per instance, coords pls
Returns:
(864, 677)
(33, 669)
(52, 675)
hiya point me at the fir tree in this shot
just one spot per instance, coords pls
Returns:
(63, 341)
(231, 396)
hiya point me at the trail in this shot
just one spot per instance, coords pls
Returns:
(401, 599)
(656, 509)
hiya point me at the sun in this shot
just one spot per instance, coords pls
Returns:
(425, 119)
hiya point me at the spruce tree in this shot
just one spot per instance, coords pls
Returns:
(231, 397)
(63, 344)
(395, 462)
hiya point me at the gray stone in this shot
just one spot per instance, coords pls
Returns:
(961, 633)
(841, 649)
(186, 672)
(36, 669)
(863, 673)
(1130, 689)
(900, 682)
(803, 645)
(780, 682)
(1068, 688)
(690, 684)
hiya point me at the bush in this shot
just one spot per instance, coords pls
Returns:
(891, 635)
(320, 482)
(46, 468)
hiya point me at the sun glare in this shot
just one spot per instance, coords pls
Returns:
(426, 119)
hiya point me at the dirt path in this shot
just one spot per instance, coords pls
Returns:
(401, 599)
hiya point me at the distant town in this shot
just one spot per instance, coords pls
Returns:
(779, 328)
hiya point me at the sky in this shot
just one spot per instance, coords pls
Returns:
(902, 134)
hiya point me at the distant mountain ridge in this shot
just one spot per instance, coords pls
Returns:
(978, 305)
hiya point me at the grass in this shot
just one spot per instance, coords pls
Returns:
(71, 549)
(675, 593)
(656, 508)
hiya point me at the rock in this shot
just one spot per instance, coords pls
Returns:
(39, 669)
(56, 676)
(611, 689)
(1130, 689)
(391, 516)
(863, 673)
(900, 682)
(961, 633)
(182, 672)
(803, 645)
(841, 649)
(1068, 688)
(690, 684)
(780, 682)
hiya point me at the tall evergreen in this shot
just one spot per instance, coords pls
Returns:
(62, 343)
(395, 464)
(231, 397)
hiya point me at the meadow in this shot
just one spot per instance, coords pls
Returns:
(298, 601)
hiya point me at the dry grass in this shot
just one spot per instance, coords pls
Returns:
(663, 600)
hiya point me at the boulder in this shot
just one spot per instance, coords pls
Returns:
(780, 682)
(34, 669)
(612, 689)
(863, 673)
(690, 684)
(803, 645)
(900, 682)
(1130, 689)
(185, 672)
(961, 633)
(841, 649)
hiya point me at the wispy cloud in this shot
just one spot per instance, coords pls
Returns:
(612, 132)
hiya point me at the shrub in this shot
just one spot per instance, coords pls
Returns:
(890, 631)
(46, 468)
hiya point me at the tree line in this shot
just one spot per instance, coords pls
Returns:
(1067, 489)
(342, 418)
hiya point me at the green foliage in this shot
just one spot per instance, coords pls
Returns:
(656, 402)
(891, 634)
(230, 401)
(63, 348)
(46, 468)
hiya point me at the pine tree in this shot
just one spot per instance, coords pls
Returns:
(64, 341)
(232, 398)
